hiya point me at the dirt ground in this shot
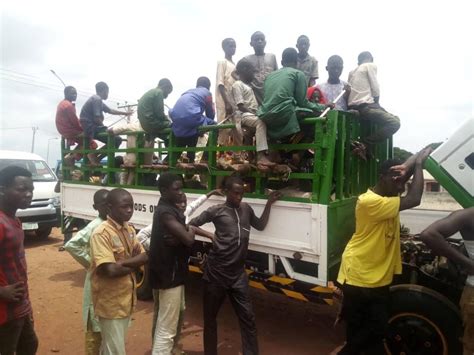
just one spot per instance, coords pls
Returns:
(285, 326)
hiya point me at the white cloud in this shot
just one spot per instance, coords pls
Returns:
(421, 48)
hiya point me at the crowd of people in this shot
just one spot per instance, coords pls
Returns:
(254, 93)
(111, 252)
(262, 100)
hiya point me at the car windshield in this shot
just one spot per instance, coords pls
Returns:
(38, 168)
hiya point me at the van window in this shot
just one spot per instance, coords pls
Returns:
(38, 168)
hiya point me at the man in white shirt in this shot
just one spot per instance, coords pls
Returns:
(224, 81)
(334, 86)
(364, 97)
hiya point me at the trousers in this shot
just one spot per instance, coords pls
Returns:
(239, 295)
(113, 332)
(18, 337)
(170, 305)
(365, 311)
(388, 124)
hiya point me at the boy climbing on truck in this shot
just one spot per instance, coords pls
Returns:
(79, 248)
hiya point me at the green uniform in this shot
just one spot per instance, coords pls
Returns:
(151, 112)
(285, 93)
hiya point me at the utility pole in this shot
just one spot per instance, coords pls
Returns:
(57, 76)
(33, 141)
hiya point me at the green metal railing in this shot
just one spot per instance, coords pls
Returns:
(336, 174)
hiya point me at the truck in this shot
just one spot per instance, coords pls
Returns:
(299, 253)
(44, 212)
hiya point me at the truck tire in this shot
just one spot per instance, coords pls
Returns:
(144, 291)
(43, 232)
(422, 321)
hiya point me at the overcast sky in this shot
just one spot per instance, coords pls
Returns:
(423, 50)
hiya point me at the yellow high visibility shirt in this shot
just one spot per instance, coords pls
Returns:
(372, 256)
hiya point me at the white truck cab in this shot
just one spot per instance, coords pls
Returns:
(44, 212)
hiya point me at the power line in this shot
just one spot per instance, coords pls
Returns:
(24, 78)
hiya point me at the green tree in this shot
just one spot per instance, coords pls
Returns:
(401, 154)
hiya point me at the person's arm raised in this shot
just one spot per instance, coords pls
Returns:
(415, 190)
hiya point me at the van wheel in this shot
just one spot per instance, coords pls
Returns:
(144, 291)
(43, 232)
(422, 321)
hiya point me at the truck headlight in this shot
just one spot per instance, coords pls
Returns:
(56, 201)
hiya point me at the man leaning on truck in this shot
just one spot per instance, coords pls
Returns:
(372, 256)
(435, 237)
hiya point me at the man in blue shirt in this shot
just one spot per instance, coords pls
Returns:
(193, 109)
(92, 114)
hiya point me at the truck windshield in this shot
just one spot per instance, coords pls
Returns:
(38, 168)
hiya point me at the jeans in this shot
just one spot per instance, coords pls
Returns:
(365, 311)
(214, 296)
(18, 337)
(171, 303)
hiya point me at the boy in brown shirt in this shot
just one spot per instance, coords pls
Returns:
(115, 254)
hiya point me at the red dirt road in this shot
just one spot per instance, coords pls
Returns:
(285, 326)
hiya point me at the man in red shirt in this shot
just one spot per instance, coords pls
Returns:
(17, 334)
(68, 125)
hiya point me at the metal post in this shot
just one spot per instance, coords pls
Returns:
(33, 141)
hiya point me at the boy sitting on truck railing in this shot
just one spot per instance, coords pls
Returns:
(68, 125)
(246, 111)
(364, 97)
(92, 115)
(151, 111)
(193, 109)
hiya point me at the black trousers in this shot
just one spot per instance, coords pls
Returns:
(187, 142)
(365, 311)
(214, 296)
(18, 337)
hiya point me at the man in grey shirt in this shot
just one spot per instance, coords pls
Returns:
(264, 63)
(225, 269)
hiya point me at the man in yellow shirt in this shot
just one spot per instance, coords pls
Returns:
(115, 254)
(372, 256)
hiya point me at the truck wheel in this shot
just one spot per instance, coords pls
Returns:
(422, 321)
(144, 291)
(43, 232)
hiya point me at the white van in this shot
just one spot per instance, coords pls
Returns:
(44, 212)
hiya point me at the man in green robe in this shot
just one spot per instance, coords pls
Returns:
(285, 98)
(151, 112)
